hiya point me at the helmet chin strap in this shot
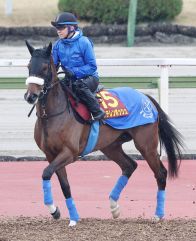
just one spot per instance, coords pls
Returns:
(70, 31)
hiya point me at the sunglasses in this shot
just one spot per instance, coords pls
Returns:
(60, 27)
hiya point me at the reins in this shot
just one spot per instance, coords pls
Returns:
(30, 112)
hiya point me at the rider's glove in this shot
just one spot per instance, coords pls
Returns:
(68, 73)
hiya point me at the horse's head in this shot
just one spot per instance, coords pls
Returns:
(40, 73)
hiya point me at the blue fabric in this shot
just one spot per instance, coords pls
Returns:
(141, 109)
(92, 138)
(62, 23)
(160, 204)
(76, 54)
(116, 191)
(46, 184)
(73, 214)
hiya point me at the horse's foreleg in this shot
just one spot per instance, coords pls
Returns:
(48, 199)
(62, 176)
(58, 166)
(127, 165)
(115, 194)
(47, 190)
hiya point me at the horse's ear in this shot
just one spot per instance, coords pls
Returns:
(30, 48)
(49, 49)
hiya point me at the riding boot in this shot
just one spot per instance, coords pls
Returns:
(91, 102)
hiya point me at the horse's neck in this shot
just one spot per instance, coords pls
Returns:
(56, 99)
(54, 103)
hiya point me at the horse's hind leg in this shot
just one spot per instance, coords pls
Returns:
(146, 141)
(127, 165)
(160, 174)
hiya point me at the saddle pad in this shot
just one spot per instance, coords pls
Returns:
(141, 109)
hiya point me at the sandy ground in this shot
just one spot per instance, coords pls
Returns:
(29, 13)
(43, 229)
(40, 13)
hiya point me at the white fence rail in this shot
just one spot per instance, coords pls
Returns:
(137, 67)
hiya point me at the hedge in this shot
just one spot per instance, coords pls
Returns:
(116, 11)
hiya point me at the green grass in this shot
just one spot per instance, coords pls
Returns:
(139, 83)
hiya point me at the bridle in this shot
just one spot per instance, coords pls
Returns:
(42, 97)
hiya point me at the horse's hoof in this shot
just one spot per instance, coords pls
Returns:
(115, 209)
(157, 219)
(56, 214)
(72, 223)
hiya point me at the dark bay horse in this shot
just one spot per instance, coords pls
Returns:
(62, 138)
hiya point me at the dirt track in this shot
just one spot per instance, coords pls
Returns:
(42, 229)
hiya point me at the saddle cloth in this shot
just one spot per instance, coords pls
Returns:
(124, 107)
(141, 111)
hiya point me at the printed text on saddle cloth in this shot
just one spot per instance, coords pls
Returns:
(111, 104)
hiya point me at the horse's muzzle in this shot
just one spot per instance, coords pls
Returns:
(30, 98)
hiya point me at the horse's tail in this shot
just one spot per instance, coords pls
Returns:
(170, 138)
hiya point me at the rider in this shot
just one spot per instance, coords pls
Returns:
(76, 55)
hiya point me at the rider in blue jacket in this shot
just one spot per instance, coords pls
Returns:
(74, 52)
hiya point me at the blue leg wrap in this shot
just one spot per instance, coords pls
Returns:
(47, 192)
(160, 204)
(116, 191)
(73, 214)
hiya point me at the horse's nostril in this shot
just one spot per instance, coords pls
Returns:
(34, 97)
(31, 98)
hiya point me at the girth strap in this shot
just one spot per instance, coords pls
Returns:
(92, 139)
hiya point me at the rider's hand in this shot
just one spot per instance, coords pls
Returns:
(69, 74)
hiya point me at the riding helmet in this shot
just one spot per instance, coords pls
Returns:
(64, 18)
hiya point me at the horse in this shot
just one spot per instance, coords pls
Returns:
(62, 138)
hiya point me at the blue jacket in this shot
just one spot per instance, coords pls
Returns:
(76, 54)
